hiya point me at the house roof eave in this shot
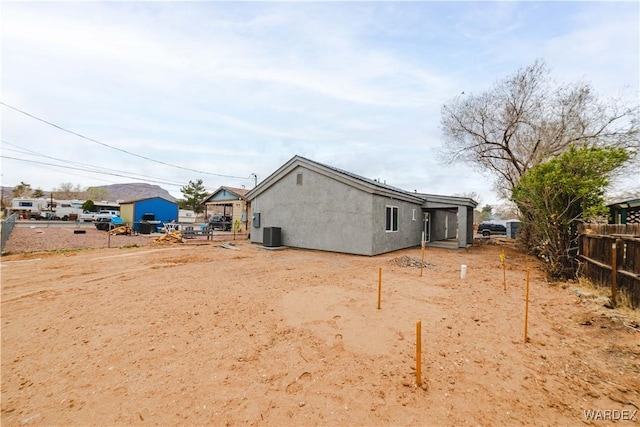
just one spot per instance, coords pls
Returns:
(348, 178)
(437, 201)
(241, 193)
(147, 198)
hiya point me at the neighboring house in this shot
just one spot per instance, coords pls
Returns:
(625, 211)
(231, 202)
(321, 207)
(164, 210)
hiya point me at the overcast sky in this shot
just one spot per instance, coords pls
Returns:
(239, 88)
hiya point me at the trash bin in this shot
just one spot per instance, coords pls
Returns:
(271, 237)
(513, 226)
(145, 228)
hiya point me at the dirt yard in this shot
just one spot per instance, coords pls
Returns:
(197, 334)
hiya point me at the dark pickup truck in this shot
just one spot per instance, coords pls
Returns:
(489, 228)
(220, 221)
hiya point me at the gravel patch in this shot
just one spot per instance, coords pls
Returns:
(408, 261)
(39, 239)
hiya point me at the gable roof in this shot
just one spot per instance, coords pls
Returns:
(237, 192)
(148, 198)
(365, 184)
(348, 178)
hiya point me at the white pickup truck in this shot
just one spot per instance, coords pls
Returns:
(87, 216)
(102, 215)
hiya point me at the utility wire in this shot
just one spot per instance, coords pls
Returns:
(89, 170)
(119, 149)
(95, 169)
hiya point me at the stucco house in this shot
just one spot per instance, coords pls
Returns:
(316, 206)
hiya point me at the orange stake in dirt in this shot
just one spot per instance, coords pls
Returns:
(504, 270)
(419, 353)
(526, 308)
(379, 285)
(614, 272)
(422, 262)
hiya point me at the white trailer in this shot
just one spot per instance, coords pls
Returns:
(28, 206)
(67, 209)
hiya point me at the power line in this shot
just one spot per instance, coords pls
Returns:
(95, 169)
(89, 170)
(119, 149)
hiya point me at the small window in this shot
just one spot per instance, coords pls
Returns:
(299, 179)
(413, 217)
(391, 218)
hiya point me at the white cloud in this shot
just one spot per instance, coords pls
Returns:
(237, 88)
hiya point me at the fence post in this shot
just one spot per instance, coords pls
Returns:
(614, 271)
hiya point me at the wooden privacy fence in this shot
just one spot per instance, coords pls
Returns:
(610, 256)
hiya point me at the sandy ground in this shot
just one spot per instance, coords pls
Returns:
(197, 334)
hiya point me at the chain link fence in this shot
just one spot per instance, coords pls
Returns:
(7, 227)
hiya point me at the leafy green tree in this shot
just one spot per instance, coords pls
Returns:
(484, 214)
(554, 197)
(38, 193)
(22, 190)
(89, 206)
(193, 193)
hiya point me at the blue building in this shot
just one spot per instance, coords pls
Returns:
(163, 210)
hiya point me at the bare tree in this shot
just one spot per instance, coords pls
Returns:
(67, 191)
(471, 195)
(96, 193)
(507, 210)
(527, 119)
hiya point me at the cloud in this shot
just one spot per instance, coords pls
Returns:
(604, 41)
(239, 88)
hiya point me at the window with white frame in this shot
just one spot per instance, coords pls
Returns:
(391, 218)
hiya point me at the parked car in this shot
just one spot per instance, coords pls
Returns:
(106, 214)
(220, 221)
(87, 216)
(47, 216)
(106, 224)
(487, 228)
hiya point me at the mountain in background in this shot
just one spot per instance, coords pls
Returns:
(115, 192)
(135, 191)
